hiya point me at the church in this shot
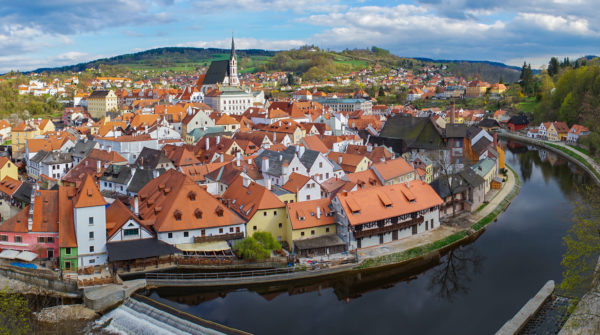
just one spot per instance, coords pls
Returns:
(222, 72)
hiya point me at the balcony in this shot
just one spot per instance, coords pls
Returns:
(388, 228)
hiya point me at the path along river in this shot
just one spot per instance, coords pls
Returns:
(472, 290)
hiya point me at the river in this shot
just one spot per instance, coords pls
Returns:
(472, 290)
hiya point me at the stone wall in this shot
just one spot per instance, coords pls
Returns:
(46, 282)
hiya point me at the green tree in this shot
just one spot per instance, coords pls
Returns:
(553, 66)
(267, 240)
(250, 248)
(14, 314)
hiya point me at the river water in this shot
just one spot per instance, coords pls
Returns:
(472, 290)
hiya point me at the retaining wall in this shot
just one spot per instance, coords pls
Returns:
(66, 287)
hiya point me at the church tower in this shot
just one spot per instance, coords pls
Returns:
(233, 77)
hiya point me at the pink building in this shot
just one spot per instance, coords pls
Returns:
(35, 228)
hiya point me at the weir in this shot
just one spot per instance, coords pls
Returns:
(142, 315)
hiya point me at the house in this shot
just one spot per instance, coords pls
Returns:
(152, 159)
(576, 132)
(115, 180)
(184, 212)
(394, 171)
(278, 166)
(422, 162)
(34, 228)
(49, 164)
(379, 215)
(350, 163)
(313, 228)
(462, 191)
(486, 169)
(517, 122)
(28, 129)
(260, 207)
(8, 169)
(128, 146)
(558, 131)
(303, 187)
(543, 130)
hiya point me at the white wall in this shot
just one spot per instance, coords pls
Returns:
(178, 237)
(82, 230)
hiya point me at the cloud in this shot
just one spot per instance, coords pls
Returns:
(246, 43)
(27, 63)
(297, 6)
(18, 39)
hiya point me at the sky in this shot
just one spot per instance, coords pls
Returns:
(42, 33)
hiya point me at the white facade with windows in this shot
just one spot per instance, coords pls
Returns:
(90, 230)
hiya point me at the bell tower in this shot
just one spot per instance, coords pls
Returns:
(233, 77)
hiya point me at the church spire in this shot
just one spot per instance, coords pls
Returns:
(232, 46)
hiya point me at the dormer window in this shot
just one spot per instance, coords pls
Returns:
(198, 213)
(177, 214)
(192, 195)
(219, 211)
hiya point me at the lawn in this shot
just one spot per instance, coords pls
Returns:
(527, 105)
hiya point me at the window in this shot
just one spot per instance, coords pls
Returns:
(237, 229)
(280, 225)
(264, 213)
(220, 230)
(327, 230)
(91, 220)
(41, 239)
(91, 248)
(49, 239)
(92, 261)
(67, 251)
(18, 239)
(131, 232)
(254, 228)
(170, 235)
(312, 232)
(91, 235)
(186, 234)
(3, 238)
(274, 213)
(301, 233)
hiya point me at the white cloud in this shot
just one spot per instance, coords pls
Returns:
(246, 43)
(297, 6)
(17, 39)
(28, 63)
(569, 25)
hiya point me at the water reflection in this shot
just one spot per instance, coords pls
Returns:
(453, 276)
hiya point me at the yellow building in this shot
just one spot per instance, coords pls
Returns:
(28, 129)
(100, 102)
(497, 89)
(350, 163)
(557, 131)
(312, 227)
(8, 169)
(259, 206)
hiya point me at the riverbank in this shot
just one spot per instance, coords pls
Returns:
(587, 163)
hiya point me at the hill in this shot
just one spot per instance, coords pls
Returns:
(484, 70)
(171, 58)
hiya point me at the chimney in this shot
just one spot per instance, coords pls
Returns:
(495, 139)
(31, 205)
(318, 212)
(452, 113)
(268, 183)
(249, 161)
(340, 160)
(280, 157)
(246, 181)
(136, 206)
(207, 143)
(369, 148)
(265, 164)
(155, 173)
(218, 139)
(222, 158)
(98, 165)
(109, 149)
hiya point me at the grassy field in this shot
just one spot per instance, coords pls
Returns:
(527, 105)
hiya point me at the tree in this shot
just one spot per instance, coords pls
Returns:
(250, 248)
(527, 79)
(267, 240)
(553, 66)
(14, 314)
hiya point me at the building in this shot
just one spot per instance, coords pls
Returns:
(101, 102)
(517, 122)
(345, 104)
(28, 129)
(558, 131)
(313, 227)
(462, 191)
(222, 72)
(231, 99)
(8, 169)
(394, 171)
(576, 132)
(488, 170)
(379, 215)
(89, 219)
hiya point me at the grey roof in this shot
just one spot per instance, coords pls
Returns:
(98, 94)
(456, 130)
(488, 123)
(461, 181)
(416, 132)
(150, 158)
(140, 178)
(472, 131)
(519, 120)
(216, 72)
(119, 174)
(481, 145)
(39, 156)
(276, 160)
(57, 158)
(83, 148)
(308, 158)
(24, 192)
(137, 249)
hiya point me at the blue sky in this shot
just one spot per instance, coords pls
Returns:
(41, 33)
